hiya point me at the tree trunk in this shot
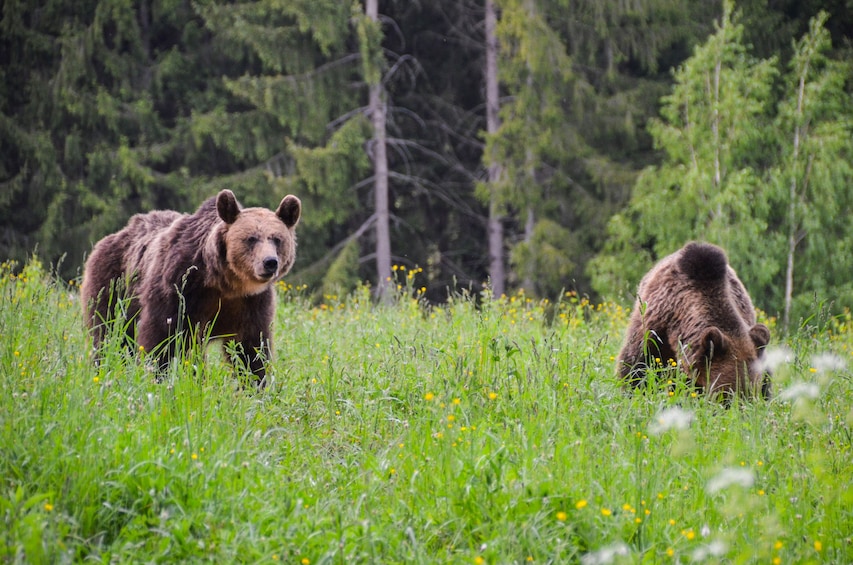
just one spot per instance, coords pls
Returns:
(495, 225)
(527, 284)
(792, 207)
(377, 110)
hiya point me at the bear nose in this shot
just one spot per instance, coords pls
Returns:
(270, 265)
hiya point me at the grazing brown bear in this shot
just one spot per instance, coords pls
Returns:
(211, 272)
(692, 310)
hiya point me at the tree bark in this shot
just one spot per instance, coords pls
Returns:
(497, 272)
(792, 208)
(377, 110)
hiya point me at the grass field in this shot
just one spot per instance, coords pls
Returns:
(413, 434)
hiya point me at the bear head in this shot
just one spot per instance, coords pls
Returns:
(731, 362)
(260, 245)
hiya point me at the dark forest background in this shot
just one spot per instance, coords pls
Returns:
(623, 130)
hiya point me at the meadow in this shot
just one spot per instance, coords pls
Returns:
(484, 430)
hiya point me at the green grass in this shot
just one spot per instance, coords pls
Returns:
(407, 434)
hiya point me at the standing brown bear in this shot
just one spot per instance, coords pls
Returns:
(692, 310)
(191, 275)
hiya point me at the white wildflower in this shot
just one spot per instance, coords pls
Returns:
(775, 357)
(800, 390)
(605, 555)
(728, 477)
(827, 362)
(671, 419)
(716, 548)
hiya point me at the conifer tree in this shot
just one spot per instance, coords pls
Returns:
(578, 82)
(815, 127)
(370, 39)
(495, 231)
(761, 174)
(293, 119)
(94, 103)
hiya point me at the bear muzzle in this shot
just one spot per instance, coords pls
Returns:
(270, 267)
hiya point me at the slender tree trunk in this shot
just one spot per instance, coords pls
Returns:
(792, 207)
(530, 173)
(497, 271)
(377, 110)
(529, 224)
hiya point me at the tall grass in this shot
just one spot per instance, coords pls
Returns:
(481, 431)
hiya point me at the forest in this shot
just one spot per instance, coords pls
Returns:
(548, 146)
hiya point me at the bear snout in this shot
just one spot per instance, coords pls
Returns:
(270, 266)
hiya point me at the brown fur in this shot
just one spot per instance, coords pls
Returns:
(217, 267)
(692, 308)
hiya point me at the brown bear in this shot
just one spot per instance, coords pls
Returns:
(185, 276)
(692, 311)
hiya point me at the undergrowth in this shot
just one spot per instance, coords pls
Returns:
(483, 430)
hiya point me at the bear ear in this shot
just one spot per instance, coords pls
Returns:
(289, 210)
(713, 342)
(760, 335)
(227, 206)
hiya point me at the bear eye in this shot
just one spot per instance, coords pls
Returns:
(276, 241)
(251, 240)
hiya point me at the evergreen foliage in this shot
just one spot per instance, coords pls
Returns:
(750, 164)
(609, 159)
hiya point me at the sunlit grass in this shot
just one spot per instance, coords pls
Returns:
(484, 430)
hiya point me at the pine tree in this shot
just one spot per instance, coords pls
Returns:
(761, 174)
(534, 134)
(495, 232)
(91, 130)
(370, 38)
(580, 79)
(292, 119)
(714, 132)
(813, 173)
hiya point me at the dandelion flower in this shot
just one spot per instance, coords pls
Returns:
(493, 395)
(48, 507)
(562, 516)
(429, 396)
(580, 504)
(606, 512)
(817, 545)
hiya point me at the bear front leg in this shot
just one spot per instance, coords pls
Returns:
(155, 335)
(643, 349)
(253, 353)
